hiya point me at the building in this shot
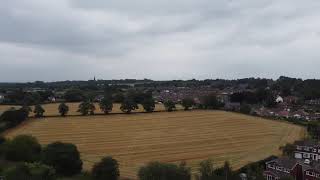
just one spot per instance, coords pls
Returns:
(1, 98)
(305, 165)
(288, 167)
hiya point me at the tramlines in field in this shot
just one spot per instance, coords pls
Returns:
(170, 137)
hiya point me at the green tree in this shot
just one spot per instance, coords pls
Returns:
(164, 171)
(63, 157)
(211, 102)
(148, 104)
(106, 104)
(22, 148)
(107, 168)
(206, 170)
(26, 109)
(288, 150)
(74, 95)
(38, 110)
(30, 171)
(11, 118)
(63, 109)
(128, 105)
(187, 103)
(170, 105)
(86, 107)
(245, 108)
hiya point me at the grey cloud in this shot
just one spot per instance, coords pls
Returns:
(158, 39)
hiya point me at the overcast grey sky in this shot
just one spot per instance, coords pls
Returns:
(53, 40)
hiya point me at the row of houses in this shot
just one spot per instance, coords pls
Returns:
(304, 165)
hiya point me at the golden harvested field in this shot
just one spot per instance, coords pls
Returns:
(168, 137)
(52, 109)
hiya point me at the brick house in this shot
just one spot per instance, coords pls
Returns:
(304, 166)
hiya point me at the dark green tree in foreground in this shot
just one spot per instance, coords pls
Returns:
(245, 108)
(165, 171)
(148, 104)
(86, 107)
(128, 105)
(206, 170)
(63, 109)
(38, 111)
(22, 148)
(106, 104)
(30, 171)
(288, 150)
(170, 105)
(26, 109)
(187, 103)
(107, 168)
(63, 157)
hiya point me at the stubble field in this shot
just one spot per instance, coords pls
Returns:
(189, 136)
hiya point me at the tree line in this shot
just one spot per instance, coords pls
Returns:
(29, 160)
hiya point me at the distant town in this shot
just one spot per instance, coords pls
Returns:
(288, 98)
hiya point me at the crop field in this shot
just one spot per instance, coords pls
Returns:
(189, 136)
(52, 109)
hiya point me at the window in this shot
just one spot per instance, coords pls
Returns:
(269, 177)
(306, 155)
(287, 170)
(314, 150)
(306, 148)
(279, 168)
(300, 148)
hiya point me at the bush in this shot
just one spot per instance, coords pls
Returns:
(148, 104)
(86, 108)
(106, 104)
(63, 109)
(63, 157)
(211, 102)
(187, 103)
(128, 105)
(13, 117)
(107, 168)
(38, 110)
(245, 108)
(22, 148)
(157, 170)
(170, 105)
(30, 171)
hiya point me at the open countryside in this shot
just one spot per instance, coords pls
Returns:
(190, 136)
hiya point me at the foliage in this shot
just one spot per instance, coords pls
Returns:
(211, 102)
(63, 109)
(288, 150)
(74, 95)
(164, 171)
(38, 110)
(187, 103)
(26, 109)
(314, 130)
(106, 104)
(30, 171)
(170, 105)
(22, 148)
(206, 170)
(63, 157)
(245, 108)
(86, 107)
(107, 168)
(13, 117)
(128, 105)
(148, 104)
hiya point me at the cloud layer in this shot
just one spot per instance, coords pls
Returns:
(181, 39)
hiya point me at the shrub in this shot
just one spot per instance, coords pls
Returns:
(157, 170)
(22, 148)
(63, 157)
(128, 105)
(187, 103)
(30, 171)
(148, 104)
(170, 105)
(38, 110)
(106, 104)
(63, 109)
(107, 168)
